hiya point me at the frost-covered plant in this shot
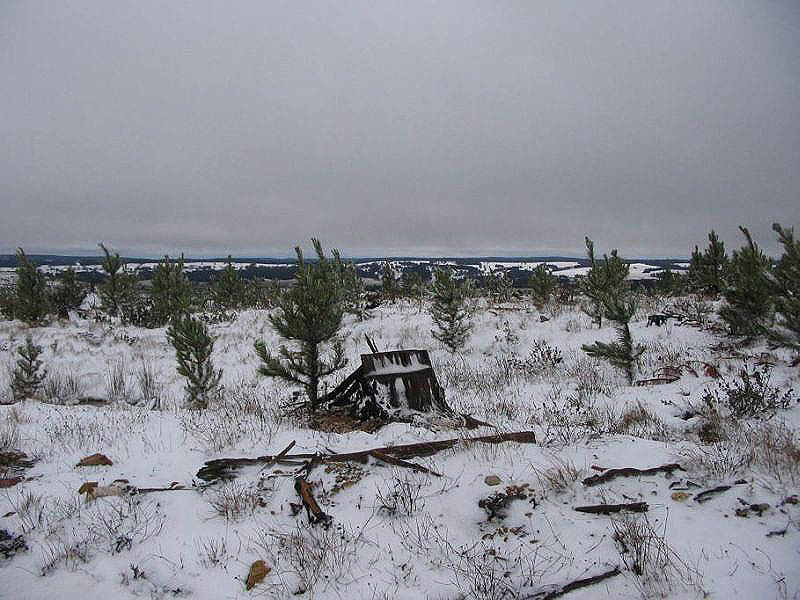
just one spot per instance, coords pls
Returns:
(447, 309)
(750, 394)
(117, 382)
(193, 346)
(309, 314)
(27, 377)
(62, 387)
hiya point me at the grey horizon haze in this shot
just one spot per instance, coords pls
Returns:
(397, 128)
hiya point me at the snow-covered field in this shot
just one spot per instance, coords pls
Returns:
(396, 533)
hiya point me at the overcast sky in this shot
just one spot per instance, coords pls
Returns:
(417, 128)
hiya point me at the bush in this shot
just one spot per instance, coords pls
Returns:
(118, 292)
(171, 291)
(27, 377)
(30, 301)
(750, 394)
(448, 311)
(68, 294)
(310, 313)
(193, 346)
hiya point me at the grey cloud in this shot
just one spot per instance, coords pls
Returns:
(397, 127)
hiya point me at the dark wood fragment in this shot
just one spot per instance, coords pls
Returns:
(574, 585)
(629, 472)
(315, 513)
(607, 509)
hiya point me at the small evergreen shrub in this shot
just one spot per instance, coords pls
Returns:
(27, 376)
(119, 291)
(30, 302)
(68, 294)
(543, 285)
(170, 292)
(450, 316)
(708, 270)
(310, 315)
(193, 346)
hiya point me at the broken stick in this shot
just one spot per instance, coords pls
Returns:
(607, 509)
(629, 472)
(403, 463)
(574, 585)
(315, 513)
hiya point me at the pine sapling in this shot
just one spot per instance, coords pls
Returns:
(193, 346)
(543, 284)
(27, 377)
(118, 292)
(68, 293)
(748, 293)
(309, 314)
(228, 288)
(786, 331)
(31, 302)
(389, 287)
(708, 270)
(170, 292)
(622, 353)
(448, 310)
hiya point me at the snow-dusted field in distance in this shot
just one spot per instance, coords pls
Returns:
(436, 541)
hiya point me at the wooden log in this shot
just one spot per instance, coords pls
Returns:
(629, 472)
(706, 495)
(402, 463)
(607, 509)
(225, 468)
(559, 591)
(315, 513)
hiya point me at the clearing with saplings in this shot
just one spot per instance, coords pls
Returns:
(418, 429)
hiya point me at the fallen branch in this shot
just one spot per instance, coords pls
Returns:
(225, 468)
(402, 463)
(315, 513)
(706, 495)
(574, 585)
(629, 472)
(607, 509)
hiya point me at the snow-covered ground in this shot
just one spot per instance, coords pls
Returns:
(396, 533)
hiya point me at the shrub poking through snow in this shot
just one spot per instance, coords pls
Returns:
(389, 287)
(750, 394)
(26, 380)
(118, 293)
(30, 302)
(748, 294)
(622, 353)
(708, 270)
(228, 288)
(604, 280)
(67, 294)
(787, 295)
(543, 284)
(171, 292)
(309, 314)
(193, 346)
(448, 311)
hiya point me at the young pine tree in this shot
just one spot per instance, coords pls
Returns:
(228, 288)
(389, 287)
(543, 284)
(170, 292)
(414, 287)
(27, 377)
(309, 315)
(352, 288)
(119, 291)
(68, 293)
(30, 302)
(669, 283)
(749, 308)
(193, 346)
(787, 293)
(622, 353)
(708, 270)
(604, 280)
(448, 311)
